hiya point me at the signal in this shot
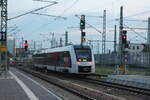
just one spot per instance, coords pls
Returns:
(83, 34)
(26, 45)
(82, 22)
(124, 37)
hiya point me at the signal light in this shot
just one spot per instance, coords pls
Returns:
(82, 22)
(26, 45)
(83, 39)
(124, 37)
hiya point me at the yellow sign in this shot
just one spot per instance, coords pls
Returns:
(122, 68)
(3, 48)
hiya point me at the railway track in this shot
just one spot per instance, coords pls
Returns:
(95, 81)
(82, 92)
(118, 86)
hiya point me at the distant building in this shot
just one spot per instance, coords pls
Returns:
(137, 55)
(20, 52)
(11, 45)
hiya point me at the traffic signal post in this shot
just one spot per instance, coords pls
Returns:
(3, 37)
(82, 28)
(26, 45)
(124, 52)
(122, 45)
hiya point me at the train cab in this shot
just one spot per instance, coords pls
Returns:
(84, 59)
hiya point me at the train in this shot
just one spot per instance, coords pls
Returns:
(73, 59)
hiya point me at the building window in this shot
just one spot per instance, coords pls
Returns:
(137, 47)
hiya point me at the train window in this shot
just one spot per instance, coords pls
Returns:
(83, 54)
(64, 59)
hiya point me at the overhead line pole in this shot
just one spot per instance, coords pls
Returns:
(3, 34)
(120, 35)
(104, 37)
(66, 38)
(148, 34)
(115, 39)
(148, 41)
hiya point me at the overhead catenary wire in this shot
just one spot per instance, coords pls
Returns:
(32, 11)
(49, 15)
(117, 19)
(90, 25)
(137, 14)
(45, 1)
(136, 32)
(67, 9)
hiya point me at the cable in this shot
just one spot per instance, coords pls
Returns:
(141, 13)
(45, 1)
(90, 25)
(67, 9)
(60, 14)
(71, 6)
(50, 15)
(32, 11)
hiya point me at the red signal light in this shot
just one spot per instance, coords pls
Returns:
(124, 37)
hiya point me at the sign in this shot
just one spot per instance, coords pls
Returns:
(3, 48)
(2, 36)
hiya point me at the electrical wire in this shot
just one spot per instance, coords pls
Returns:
(136, 32)
(67, 9)
(90, 25)
(70, 7)
(32, 11)
(45, 1)
(137, 14)
(50, 15)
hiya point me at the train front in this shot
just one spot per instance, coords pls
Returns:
(84, 59)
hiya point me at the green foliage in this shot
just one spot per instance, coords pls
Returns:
(104, 70)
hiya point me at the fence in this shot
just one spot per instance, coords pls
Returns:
(133, 59)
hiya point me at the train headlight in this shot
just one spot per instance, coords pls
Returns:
(80, 59)
(84, 60)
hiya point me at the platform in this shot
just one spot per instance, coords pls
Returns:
(18, 86)
(131, 80)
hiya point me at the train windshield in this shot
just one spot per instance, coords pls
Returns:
(83, 54)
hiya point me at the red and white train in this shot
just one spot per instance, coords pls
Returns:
(75, 59)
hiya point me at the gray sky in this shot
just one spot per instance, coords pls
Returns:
(31, 26)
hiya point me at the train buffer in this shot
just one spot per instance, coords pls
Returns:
(18, 86)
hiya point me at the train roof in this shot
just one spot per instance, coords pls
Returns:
(65, 48)
(81, 46)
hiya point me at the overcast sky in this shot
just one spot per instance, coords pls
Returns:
(31, 26)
